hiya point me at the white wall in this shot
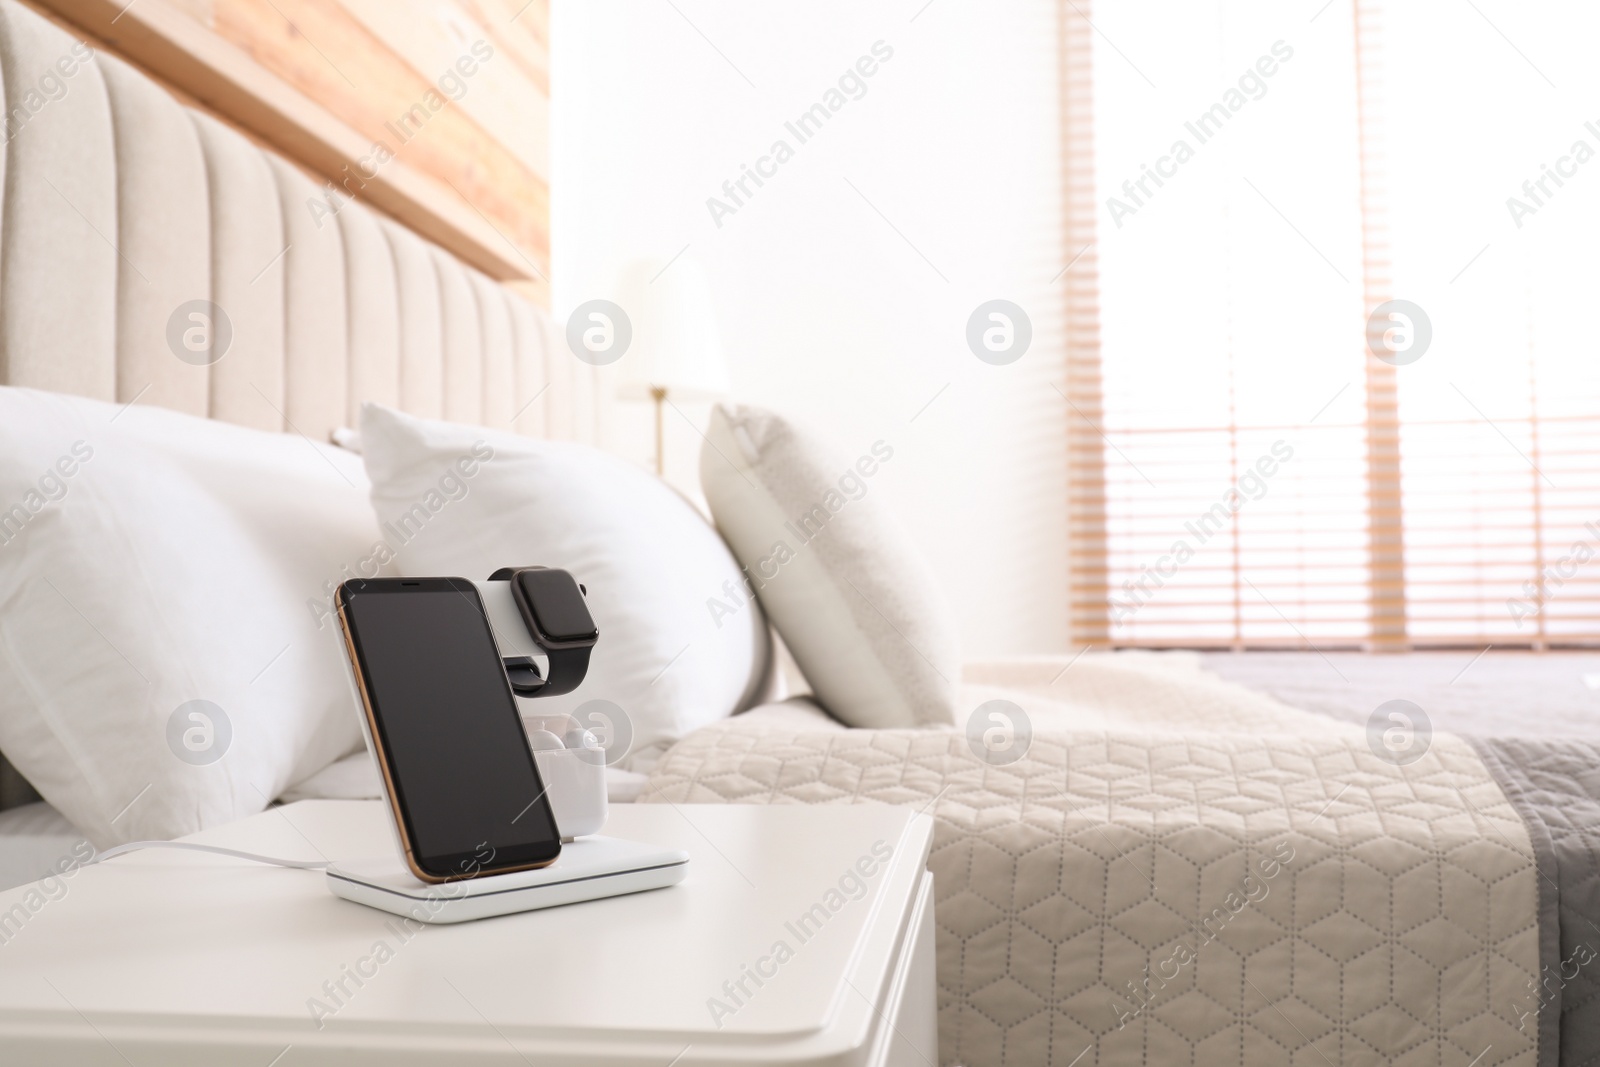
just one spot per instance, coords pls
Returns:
(826, 312)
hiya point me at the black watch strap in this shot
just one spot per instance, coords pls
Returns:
(567, 669)
(568, 664)
(524, 675)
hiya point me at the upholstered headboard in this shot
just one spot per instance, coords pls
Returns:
(121, 206)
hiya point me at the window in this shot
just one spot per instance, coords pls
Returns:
(1282, 195)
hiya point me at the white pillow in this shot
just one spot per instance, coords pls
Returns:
(150, 559)
(844, 585)
(464, 501)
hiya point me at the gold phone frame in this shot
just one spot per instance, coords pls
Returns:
(370, 725)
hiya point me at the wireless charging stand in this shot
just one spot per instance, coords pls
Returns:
(587, 869)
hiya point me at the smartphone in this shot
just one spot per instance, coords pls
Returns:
(457, 769)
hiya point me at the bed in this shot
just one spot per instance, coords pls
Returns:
(1181, 869)
(1184, 870)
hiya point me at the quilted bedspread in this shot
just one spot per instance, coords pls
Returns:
(1555, 786)
(1181, 871)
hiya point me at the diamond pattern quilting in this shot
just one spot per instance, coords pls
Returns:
(1122, 900)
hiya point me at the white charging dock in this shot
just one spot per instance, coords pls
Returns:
(587, 869)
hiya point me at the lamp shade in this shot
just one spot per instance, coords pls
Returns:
(675, 343)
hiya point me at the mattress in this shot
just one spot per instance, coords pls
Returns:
(1185, 870)
(1488, 692)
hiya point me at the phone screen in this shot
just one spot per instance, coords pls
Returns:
(463, 778)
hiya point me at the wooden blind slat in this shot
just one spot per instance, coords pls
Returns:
(1088, 587)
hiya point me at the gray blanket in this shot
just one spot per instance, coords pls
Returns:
(1555, 786)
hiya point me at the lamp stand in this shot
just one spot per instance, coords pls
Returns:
(659, 395)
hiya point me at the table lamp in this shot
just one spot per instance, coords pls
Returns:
(675, 351)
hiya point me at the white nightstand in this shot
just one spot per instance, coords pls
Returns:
(802, 935)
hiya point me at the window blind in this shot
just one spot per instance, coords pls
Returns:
(1086, 454)
(1500, 418)
(1325, 390)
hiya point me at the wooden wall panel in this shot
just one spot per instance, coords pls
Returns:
(366, 94)
(500, 98)
(523, 29)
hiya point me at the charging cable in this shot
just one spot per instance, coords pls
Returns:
(134, 846)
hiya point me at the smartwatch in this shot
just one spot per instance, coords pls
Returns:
(553, 609)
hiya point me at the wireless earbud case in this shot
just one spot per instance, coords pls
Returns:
(576, 781)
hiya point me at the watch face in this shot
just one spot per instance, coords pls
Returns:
(558, 604)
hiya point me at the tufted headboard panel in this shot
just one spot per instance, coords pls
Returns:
(121, 207)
